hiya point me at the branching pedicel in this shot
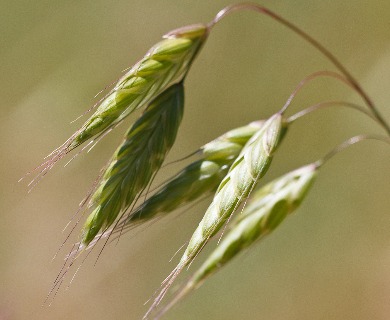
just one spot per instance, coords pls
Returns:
(231, 165)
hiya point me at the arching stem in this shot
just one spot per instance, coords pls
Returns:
(311, 77)
(327, 104)
(263, 10)
(346, 144)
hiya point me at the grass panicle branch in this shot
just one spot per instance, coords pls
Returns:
(268, 207)
(327, 104)
(136, 160)
(242, 177)
(332, 58)
(350, 142)
(166, 63)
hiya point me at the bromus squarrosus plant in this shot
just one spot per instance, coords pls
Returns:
(199, 179)
(228, 168)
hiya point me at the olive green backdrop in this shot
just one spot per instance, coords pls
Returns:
(331, 260)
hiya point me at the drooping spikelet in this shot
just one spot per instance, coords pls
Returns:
(166, 63)
(269, 206)
(243, 176)
(163, 65)
(137, 159)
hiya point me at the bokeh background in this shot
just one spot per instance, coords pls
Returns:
(331, 260)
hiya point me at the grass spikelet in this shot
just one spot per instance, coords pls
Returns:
(136, 160)
(242, 177)
(268, 207)
(166, 63)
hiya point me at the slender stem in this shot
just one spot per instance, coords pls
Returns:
(346, 144)
(327, 104)
(258, 8)
(311, 77)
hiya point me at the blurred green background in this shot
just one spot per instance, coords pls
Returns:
(331, 260)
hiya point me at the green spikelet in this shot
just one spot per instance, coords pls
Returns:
(243, 176)
(269, 206)
(140, 155)
(245, 172)
(165, 64)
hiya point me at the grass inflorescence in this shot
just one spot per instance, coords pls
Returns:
(229, 167)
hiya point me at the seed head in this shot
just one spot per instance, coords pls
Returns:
(165, 64)
(268, 207)
(137, 159)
